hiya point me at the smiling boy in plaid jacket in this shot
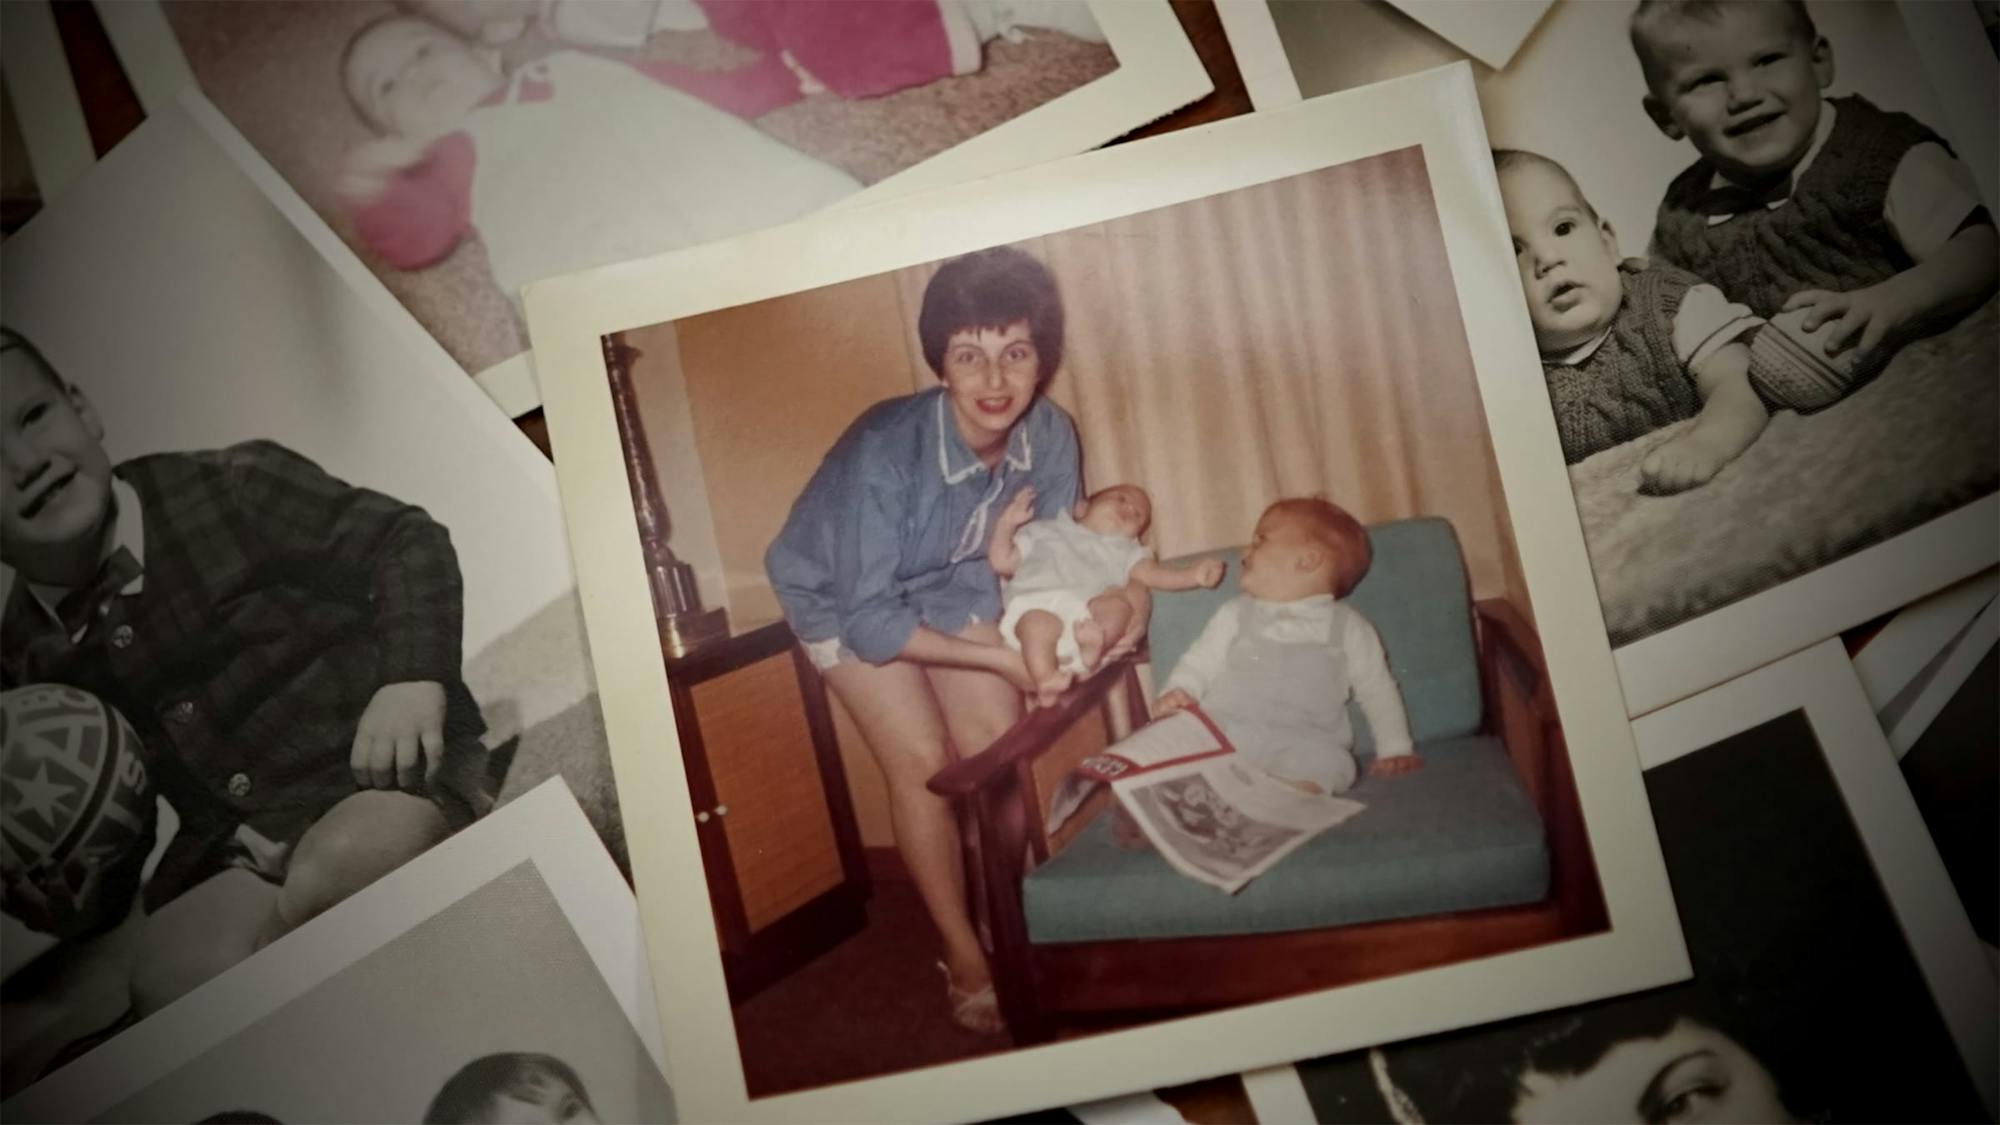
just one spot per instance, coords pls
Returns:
(286, 645)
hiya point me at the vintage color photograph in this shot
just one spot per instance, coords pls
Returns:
(464, 149)
(265, 638)
(1747, 392)
(1173, 474)
(1180, 408)
(1808, 893)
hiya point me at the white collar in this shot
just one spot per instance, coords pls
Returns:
(1582, 351)
(1316, 610)
(128, 530)
(1020, 453)
(1821, 131)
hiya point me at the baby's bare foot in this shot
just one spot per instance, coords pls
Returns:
(1089, 642)
(1679, 465)
(1728, 423)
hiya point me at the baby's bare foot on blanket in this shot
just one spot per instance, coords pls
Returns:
(1693, 457)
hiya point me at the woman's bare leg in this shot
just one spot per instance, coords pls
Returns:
(978, 707)
(897, 713)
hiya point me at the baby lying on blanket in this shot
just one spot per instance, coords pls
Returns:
(1063, 577)
(576, 160)
(1627, 348)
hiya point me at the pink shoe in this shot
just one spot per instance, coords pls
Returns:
(974, 1011)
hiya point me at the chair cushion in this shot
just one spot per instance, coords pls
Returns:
(1416, 595)
(1458, 834)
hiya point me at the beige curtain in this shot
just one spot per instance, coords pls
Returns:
(1293, 338)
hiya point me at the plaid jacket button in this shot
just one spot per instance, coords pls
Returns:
(239, 785)
(121, 637)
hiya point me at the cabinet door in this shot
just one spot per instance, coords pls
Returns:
(772, 804)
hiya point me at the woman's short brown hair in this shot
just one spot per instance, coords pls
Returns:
(992, 289)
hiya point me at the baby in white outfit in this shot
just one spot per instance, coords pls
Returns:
(1064, 576)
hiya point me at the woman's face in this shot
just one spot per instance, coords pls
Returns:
(1692, 1073)
(990, 375)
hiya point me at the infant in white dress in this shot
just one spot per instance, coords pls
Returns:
(1065, 581)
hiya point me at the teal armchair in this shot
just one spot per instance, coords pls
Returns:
(1481, 851)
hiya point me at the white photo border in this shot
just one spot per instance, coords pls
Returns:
(1964, 655)
(1893, 658)
(567, 319)
(1158, 73)
(1820, 681)
(544, 826)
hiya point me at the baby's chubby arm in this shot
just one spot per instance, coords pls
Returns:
(1954, 280)
(1156, 575)
(1003, 554)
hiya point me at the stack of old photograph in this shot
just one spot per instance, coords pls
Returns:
(544, 545)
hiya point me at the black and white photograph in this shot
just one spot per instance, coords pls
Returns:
(1247, 375)
(1758, 249)
(490, 980)
(464, 148)
(1832, 980)
(284, 606)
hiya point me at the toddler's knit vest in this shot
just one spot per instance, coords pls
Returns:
(1830, 234)
(1633, 383)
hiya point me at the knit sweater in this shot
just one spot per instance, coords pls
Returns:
(1634, 383)
(1830, 234)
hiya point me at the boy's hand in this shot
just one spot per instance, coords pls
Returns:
(1400, 764)
(1209, 573)
(1170, 701)
(399, 742)
(1866, 317)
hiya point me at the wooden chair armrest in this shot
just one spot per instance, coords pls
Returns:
(1028, 739)
(1505, 632)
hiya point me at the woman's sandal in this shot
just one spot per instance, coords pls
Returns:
(974, 1011)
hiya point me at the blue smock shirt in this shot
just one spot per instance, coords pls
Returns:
(891, 531)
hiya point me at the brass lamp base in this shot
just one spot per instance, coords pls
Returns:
(682, 633)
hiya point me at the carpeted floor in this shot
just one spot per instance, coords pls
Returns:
(873, 1005)
(273, 70)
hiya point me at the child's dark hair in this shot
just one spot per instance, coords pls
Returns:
(1505, 158)
(992, 289)
(535, 1078)
(1481, 1076)
(12, 341)
(1651, 14)
(1341, 534)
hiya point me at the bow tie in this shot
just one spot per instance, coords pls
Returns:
(1287, 617)
(1738, 199)
(86, 603)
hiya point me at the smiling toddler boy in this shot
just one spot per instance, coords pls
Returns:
(1827, 210)
(286, 645)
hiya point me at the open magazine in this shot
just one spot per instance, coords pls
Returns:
(1217, 819)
